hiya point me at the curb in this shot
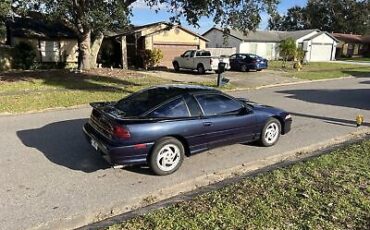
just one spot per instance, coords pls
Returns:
(83, 221)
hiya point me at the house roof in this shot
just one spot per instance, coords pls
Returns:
(267, 36)
(321, 33)
(352, 38)
(136, 29)
(27, 27)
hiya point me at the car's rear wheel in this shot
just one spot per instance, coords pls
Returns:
(176, 66)
(200, 69)
(243, 68)
(270, 133)
(167, 156)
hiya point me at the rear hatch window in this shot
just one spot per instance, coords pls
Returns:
(143, 101)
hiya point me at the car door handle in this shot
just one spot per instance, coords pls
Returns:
(207, 123)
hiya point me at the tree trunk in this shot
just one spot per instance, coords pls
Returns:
(95, 47)
(85, 51)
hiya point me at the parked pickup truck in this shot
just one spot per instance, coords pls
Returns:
(200, 60)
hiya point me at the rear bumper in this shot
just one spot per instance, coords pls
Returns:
(117, 155)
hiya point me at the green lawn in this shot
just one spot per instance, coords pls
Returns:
(39, 90)
(360, 59)
(328, 192)
(322, 70)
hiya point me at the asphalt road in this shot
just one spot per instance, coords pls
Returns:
(51, 178)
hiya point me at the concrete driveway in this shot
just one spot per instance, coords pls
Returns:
(52, 179)
(244, 80)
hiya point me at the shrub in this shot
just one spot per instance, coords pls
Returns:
(24, 55)
(288, 50)
(152, 58)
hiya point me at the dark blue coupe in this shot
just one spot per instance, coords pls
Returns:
(246, 62)
(161, 125)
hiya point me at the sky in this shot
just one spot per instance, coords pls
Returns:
(142, 15)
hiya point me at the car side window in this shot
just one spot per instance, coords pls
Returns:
(187, 54)
(216, 104)
(242, 57)
(175, 108)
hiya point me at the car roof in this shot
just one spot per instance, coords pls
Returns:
(180, 89)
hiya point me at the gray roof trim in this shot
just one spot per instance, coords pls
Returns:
(268, 36)
(137, 29)
(321, 33)
(218, 29)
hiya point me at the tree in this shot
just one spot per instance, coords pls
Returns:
(350, 16)
(276, 22)
(294, 19)
(288, 50)
(91, 18)
(5, 9)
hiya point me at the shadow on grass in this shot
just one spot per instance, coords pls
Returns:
(89, 81)
(358, 74)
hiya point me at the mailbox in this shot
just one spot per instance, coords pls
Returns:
(221, 67)
(221, 80)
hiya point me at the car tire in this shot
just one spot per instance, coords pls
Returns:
(167, 156)
(270, 133)
(243, 68)
(176, 66)
(259, 70)
(200, 69)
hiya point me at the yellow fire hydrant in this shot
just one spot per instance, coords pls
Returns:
(359, 120)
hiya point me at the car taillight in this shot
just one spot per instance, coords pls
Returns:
(210, 61)
(121, 132)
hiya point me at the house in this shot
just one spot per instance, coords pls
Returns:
(54, 42)
(350, 45)
(172, 40)
(318, 45)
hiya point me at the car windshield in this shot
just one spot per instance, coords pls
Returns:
(143, 101)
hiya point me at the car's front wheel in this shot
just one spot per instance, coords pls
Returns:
(167, 156)
(271, 132)
(176, 66)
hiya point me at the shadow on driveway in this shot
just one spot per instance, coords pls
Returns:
(351, 98)
(63, 143)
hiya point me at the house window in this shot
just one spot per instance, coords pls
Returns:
(50, 51)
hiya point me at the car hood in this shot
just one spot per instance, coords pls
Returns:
(266, 108)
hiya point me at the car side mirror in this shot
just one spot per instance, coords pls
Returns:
(181, 55)
(244, 110)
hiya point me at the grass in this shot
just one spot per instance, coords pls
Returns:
(360, 59)
(328, 192)
(322, 70)
(39, 90)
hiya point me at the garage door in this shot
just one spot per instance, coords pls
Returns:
(321, 52)
(170, 51)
